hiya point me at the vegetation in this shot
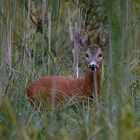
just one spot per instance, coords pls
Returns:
(36, 38)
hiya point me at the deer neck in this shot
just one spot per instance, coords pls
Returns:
(89, 81)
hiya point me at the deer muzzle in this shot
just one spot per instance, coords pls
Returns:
(93, 67)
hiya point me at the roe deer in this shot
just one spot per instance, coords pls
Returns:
(59, 88)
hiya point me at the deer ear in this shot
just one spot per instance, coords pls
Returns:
(82, 41)
(105, 42)
(101, 41)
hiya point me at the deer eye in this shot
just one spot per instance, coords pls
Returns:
(100, 55)
(87, 55)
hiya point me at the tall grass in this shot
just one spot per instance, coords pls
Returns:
(29, 37)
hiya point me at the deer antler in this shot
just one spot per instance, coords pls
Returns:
(100, 33)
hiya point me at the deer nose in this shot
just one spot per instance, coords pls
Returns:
(93, 67)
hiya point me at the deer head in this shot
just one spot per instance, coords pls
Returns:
(93, 52)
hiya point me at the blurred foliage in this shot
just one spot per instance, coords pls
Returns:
(27, 24)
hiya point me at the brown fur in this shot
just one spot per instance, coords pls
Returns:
(61, 88)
